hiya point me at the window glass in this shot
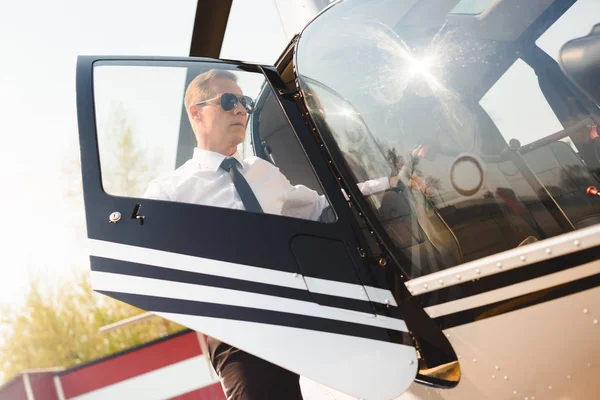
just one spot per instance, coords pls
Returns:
(148, 148)
(518, 107)
(576, 22)
(434, 102)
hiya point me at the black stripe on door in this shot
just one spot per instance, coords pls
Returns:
(101, 264)
(223, 311)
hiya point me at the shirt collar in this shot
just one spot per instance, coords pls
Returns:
(211, 160)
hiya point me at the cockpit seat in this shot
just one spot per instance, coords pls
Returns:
(493, 220)
(419, 232)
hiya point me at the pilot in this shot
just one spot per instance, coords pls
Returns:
(216, 175)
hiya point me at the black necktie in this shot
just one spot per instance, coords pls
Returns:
(241, 185)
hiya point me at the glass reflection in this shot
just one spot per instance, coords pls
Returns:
(400, 87)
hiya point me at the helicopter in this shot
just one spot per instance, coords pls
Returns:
(475, 276)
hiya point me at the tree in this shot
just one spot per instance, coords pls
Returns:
(62, 329)
(127, 168)
(60, 326)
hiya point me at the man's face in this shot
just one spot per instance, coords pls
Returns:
(221, 130)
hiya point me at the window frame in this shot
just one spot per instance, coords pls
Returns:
(99, 204)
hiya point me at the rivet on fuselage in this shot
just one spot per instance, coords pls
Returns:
(595, 322)
(585, 310)
(522, 258)
(387, 302)
(458, 277)
(499, 265)
(568, 376)
(411, 362)
(474, 360)
(505, 377)
(477, 271)
(425, 285)
(295, 275)
(576, 243)
(493, 376)
(514, 392)
(441, 282)
(548, 251)
(497, 368)
(589, 365)
(549, 387)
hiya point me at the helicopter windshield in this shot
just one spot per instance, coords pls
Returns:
(463, 102)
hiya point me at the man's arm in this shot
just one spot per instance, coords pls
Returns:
(156, 191)
(302, 202)
(373, 186)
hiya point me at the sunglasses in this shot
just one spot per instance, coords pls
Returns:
(230, 100)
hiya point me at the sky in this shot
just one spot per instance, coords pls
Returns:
(42, 232)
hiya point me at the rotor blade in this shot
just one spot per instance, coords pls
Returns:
(209, 27)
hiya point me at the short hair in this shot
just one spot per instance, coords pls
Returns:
(200, 87)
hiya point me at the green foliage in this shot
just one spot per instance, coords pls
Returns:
(62, 329)
(59, 327)
(127, 165)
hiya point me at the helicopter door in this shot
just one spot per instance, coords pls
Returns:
(169, 234)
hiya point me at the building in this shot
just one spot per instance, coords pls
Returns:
(174, 367)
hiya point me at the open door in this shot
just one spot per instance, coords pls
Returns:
(288, 285)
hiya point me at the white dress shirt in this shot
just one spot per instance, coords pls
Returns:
(201, 181)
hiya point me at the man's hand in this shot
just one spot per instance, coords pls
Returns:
(416, 182)
(413, 181)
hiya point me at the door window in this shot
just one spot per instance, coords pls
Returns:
(163, 132)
